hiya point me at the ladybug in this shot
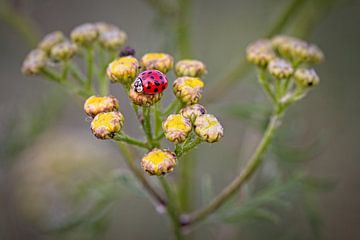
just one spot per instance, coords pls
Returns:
(150, 82)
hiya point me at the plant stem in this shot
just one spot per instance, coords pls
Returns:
(147, 125)
(266, 86)
(183, 36)
(157, 118)
(171, 107)
(221, 87)
(129, 159)
(171, 208)
(89, 65)
(125, 138)
(244, 175)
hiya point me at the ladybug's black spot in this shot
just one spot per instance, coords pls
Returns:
(163, 87)
(161, 77)
(157, 83)
(156, 89)
(163, 82)
(202, 111)
(150, 72)
(143, 73)
(152, 77)
(148, 87)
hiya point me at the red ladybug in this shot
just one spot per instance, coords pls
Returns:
(150, 82)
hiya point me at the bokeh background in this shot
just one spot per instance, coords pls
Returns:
(42, 172)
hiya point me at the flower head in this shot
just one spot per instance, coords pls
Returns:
(159, 162)
(95, 105)
(51, 40)
(123, 70)
(306, 77)
(208, 128)
(157, 61)
(188, 89)
(190, 68)
(260, 52)
(106, 124)
(280, 68)
(34, 62)
(84, 34)
(112, 39)
(193, 111)
(63, 51)
(142, 99)
(176, 128)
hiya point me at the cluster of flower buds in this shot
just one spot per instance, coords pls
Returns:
(55, 47)
(288, 60)
(107, 120)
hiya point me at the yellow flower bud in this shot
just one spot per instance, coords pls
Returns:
(208, 128)
(188, 89)
(157, 61)
(142, 99)
(123, 70)
(112, 39)
(176, 128)
(106, 124)
(260, 52)
(95, 105)
(63, 51)
(280, 68)
(306, 77)
(193, 111)
(34, 62)
(159, 162)
(190, 68)
(51, 40)
(84, 34)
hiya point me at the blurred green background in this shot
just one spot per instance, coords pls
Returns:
(63, 183)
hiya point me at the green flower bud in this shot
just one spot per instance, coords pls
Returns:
(51, 40)
(157, 61)
(188, 89)
(306, 77)
(190, 68)
(63, 51)
(280, 68)
(84, 34)
(95, 105)
(34, 62)
(159, 162)
(193, 111)
(176, 128)
(106, 124)
(112, 39)
(142, 99)
(260, 52)
(208, 128)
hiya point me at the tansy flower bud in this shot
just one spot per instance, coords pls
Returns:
(315, 54)
(306, 77)
(142, 99)
(157, 61)
(208, 128)
(95, 105)
(260, 52)
(112, 39)
(84, 34)
(190, 68)
(51, 40)
(159, 162)
(63, 51)
(188, 89)
(104, 26)
(176, 128)
(280, 68)
(34, 62)
(123, 70)
(193, 111)
(105, 125)
(127, 51)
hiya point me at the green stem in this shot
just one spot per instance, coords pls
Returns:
(183, 36)
(157, 117)
(76, 73)
(129, 159)
(90, 67)
(65, 72)
(171, 107)
(147, 125)
(171, 208)
(185, 167)
(244, 175)
(102, 80)
(187, 147)
(266, 86)
(125, 138)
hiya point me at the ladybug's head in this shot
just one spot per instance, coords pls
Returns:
(138, 86)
